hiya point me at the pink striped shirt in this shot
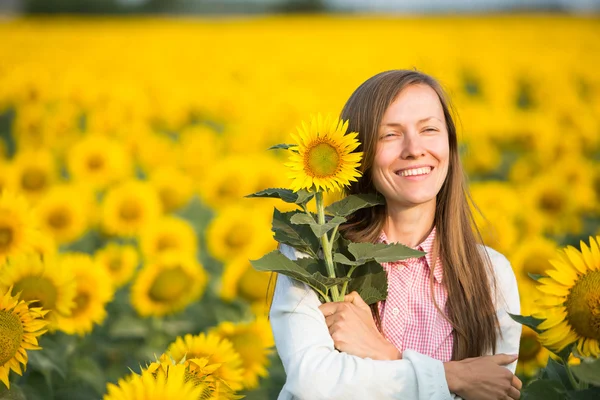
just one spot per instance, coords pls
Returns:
(409, 317)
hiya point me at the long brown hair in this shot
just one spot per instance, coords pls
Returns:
(467, 270)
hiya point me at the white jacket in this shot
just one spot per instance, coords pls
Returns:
(316, 370)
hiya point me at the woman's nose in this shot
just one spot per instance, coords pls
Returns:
(412, 146)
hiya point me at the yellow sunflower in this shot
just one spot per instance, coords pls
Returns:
(239, 232)
(64, 219)
(175, 188)
(42, 282)
(32, 173)
(94, 290)
(570, 306)
(168, 284)
(241, 279)
(531, 256)
(20, 326)
(254, 342)
(323, 156)
(217, 350)
(129, 208)
(17, 225)
(119, 260)
(174, 383)
(532, 355)
(98, 160)
(169, 234)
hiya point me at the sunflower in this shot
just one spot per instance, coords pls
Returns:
(169, 233)
(323, 156)
(570, 306)
(241, 279)
(254, 342)
(175, 188)
(42, 282)
(239, 231)
(119, 260)
(20, 326)
(532, 355)
(531, 256)
(64, 219)
(17, 225)
(129, 208)
(168, 284)
(94, 290)
(217, 350)
(174, 383)
(32, 173)
(98, 160)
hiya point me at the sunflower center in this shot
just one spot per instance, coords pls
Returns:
(529, 347)
(82, 300)
(95, 162)
(236, 239)
(253, 284)
(115, 264)
(552, 202)
(59, 218)
(169, 285)
(321, 160)
(11, 334)
(583, 305)
(169, 199)
(37, 288)
(33, 179)
(129, 211)
(165, 243)
(6, 236)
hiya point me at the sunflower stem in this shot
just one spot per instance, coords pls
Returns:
(345, 285)
(326, 245)
(570, 375)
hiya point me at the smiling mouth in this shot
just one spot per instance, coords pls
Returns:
(414, 171)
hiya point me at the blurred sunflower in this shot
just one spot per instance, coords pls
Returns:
(532, 355)
(94, 289)
(32, 173)
(254, 342)
(239, 231)
(98, 161)
(119, 260)
(166, 234)
(168, 284)
(199, 147)
(17, 225)
(241, 279)
(323, 156)
(20, 327)
(43, 245)
(129, 208)
(41, 282)
(150, 385)
(217, 350)
(175, 188)
(570, 306)
(64, 219)
(531, 256)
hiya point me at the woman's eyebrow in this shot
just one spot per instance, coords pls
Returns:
(396, 124)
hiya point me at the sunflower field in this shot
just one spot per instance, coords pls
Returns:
(127, 147)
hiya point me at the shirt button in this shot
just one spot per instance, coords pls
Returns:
(395, 311)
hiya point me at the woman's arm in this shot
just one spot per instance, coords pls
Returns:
(315, 370)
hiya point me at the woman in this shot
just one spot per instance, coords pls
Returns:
(443, 330)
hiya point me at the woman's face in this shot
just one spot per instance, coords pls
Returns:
(411, 160)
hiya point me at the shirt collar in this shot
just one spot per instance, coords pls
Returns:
(427, 247)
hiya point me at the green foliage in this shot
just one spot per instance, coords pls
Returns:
(300, 237)
(588, 371)
(287, 195)
(353, 203)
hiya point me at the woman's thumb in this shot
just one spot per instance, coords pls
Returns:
(354, 298)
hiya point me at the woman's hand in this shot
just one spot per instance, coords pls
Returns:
(353, 330)
(483, 378)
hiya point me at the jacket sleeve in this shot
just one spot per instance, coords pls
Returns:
(507, 301)
(316, 370)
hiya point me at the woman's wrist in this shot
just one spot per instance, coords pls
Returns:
(390, 352)
(452, 376)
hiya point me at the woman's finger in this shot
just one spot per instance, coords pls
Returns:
(513, 393)
(516, 382)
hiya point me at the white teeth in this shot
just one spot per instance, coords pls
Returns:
(415, 171)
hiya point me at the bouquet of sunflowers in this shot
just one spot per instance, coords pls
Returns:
(323, 159)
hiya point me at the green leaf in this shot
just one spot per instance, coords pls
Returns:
(282, 146)
(592, 393)
(286, 195)
(307, 270)
(543, 389)
(557, 372)
(301, 237)
(588, 371)
(371, 287)
(87, 370)
(304, 196)
(352, 203)
(318, 229)
(15, 392)
(382, 252)
(529, 321)
(535, 277)
(342, 259)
